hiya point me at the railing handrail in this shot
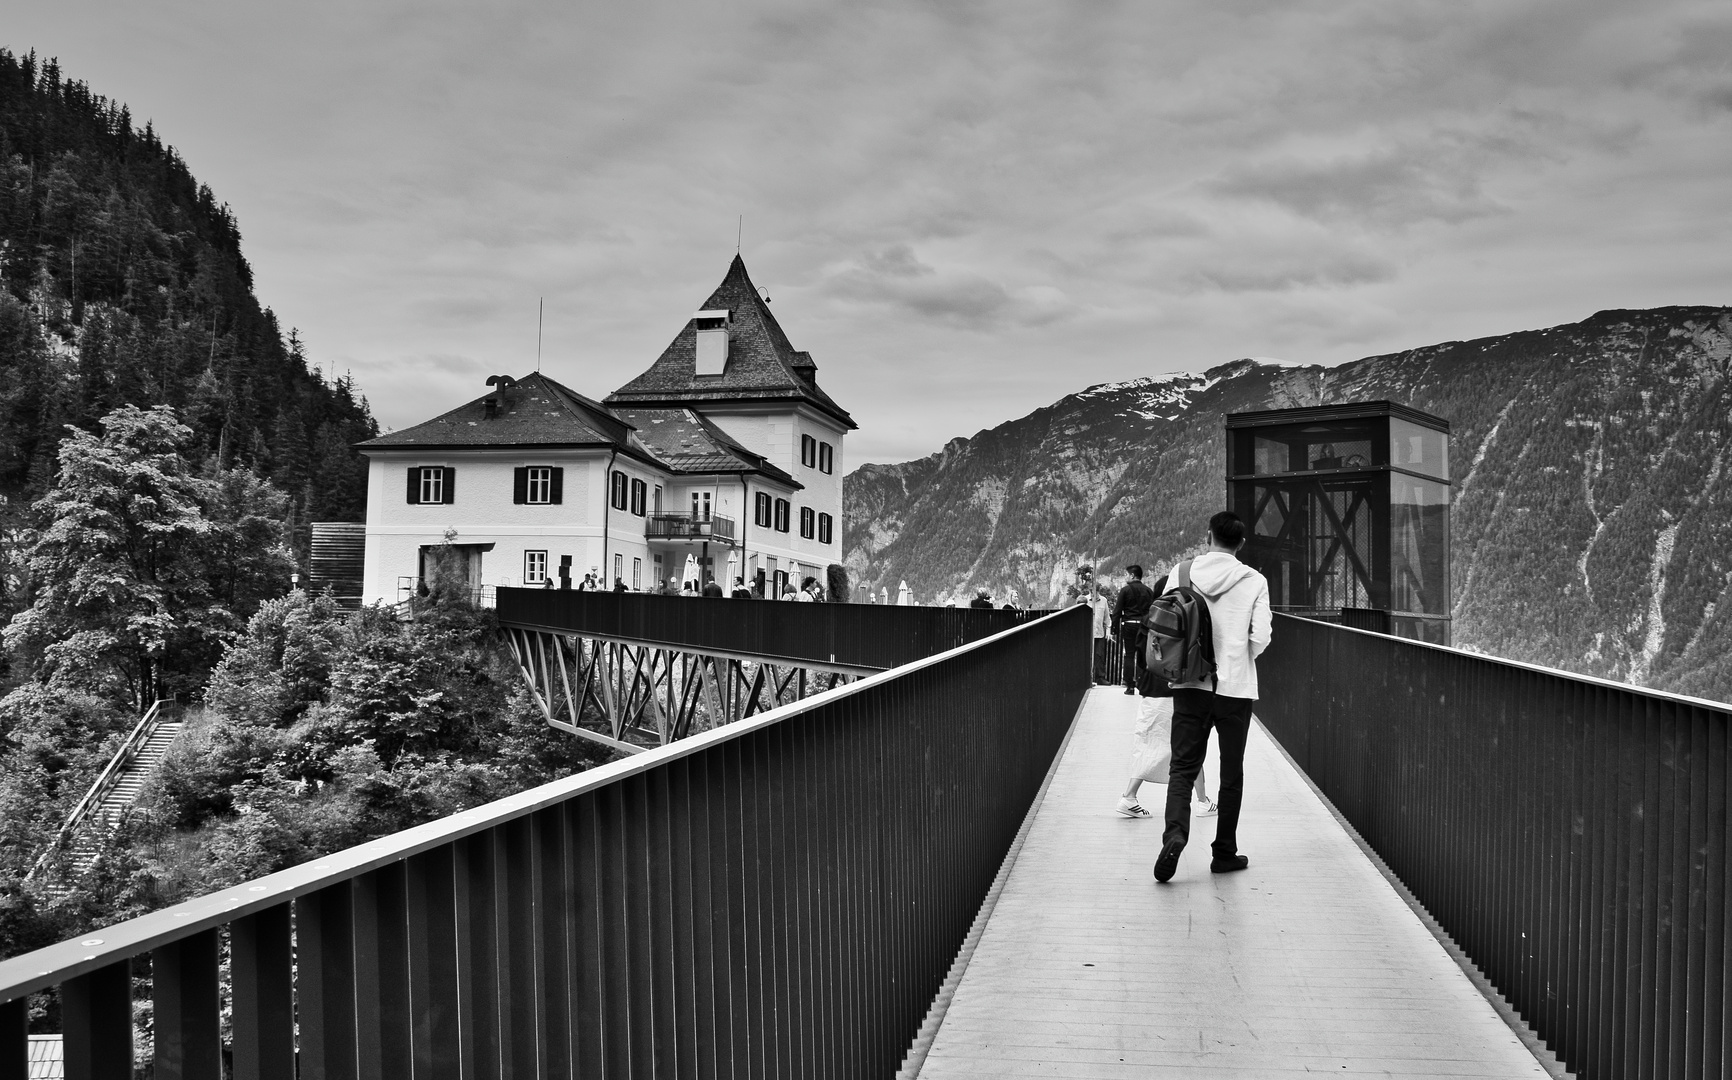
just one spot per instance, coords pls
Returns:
(687, 515)
(1504, 661)
(104, 781)
(111, 772)
(65, 960)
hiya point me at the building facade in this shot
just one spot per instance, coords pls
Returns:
(724, 454)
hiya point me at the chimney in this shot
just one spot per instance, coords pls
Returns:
(490, 404)
(712, 327)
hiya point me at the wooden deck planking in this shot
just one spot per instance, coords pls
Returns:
(1307, 963)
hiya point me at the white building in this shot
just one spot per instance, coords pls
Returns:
(725, 447)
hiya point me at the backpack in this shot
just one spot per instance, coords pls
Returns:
(1181, 641)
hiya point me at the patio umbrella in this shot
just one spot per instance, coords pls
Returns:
(690, 573)
(885, 590)
(904, 598)
(733, 572)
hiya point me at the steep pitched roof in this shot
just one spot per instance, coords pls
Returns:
(532, 411)
(762, 365)
(689, 442)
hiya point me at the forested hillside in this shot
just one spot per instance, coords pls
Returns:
(162, 444)
(122, 283)
(1592, 520)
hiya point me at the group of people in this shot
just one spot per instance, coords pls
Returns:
(808, 592)
(1237, 600)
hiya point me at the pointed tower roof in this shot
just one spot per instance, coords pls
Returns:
(762, 365)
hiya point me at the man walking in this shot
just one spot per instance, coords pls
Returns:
(1129, 613)
(1238, 601)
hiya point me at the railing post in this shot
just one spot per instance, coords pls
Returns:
(97, 1011)
(435, 1034)
(324, 936)
(15, 1039)
(477, 956)
(184, 989)
(262, 978)
(382, 973)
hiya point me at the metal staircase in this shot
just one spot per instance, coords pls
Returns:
(118, 786)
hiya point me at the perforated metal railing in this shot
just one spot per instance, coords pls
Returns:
(1569, 833)
(778, 898)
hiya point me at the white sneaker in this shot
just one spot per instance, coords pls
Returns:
(1131, 808)
(1205, 808)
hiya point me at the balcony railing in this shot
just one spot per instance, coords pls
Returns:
(685, 526)
(779, 897)
(1570, 834)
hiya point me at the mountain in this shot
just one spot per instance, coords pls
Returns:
(122, 282)
(1592, 514)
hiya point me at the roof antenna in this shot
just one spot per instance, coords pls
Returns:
(540, 304)
(739, 234)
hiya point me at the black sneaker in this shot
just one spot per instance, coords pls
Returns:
(1169, 860)
(1224, 865)
(1130, 690)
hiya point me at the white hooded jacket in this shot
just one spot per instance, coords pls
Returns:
(1238, 599)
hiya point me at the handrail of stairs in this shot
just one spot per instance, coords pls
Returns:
(93, 798)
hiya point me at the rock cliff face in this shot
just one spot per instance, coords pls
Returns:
(1592, 517)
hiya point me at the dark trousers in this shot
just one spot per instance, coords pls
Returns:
(1135, 662)
(1195, 712)
(1100, 670)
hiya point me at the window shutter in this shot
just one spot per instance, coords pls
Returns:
(556, 486)
(450, 486)
(414, 486)
(520, 484)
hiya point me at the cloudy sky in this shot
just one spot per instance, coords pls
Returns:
(963, 210)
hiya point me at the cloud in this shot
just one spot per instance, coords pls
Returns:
(1286, 275)
(896, 277)
(1391, 187)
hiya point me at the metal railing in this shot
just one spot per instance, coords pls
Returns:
(867, 637)
(780, 897)
(1569, 833)
(104, 782)
(688, 526)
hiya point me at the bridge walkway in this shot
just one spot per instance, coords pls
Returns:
(1309, 962)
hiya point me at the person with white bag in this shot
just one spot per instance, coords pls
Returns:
(1152, 745)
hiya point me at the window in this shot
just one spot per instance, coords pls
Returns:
(534, 567)
(639, 496)
(700, 506)
(807, 528)
(808, 451)
(826, 528)
(826, 458)
(637, 575)
(619, 489)
(618, 569)
(537, 484)
(763, 510)
(432, 484)
(656, 505)
(781, 524)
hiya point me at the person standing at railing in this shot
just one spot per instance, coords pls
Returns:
(712, 589)
(1238, 601)
(740, 591)
(1133, 605)
(1102, 611)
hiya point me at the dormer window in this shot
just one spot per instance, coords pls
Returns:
(712, 327)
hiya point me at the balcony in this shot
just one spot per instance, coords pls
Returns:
(682, 526)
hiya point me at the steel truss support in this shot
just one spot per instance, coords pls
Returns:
(634, 696)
